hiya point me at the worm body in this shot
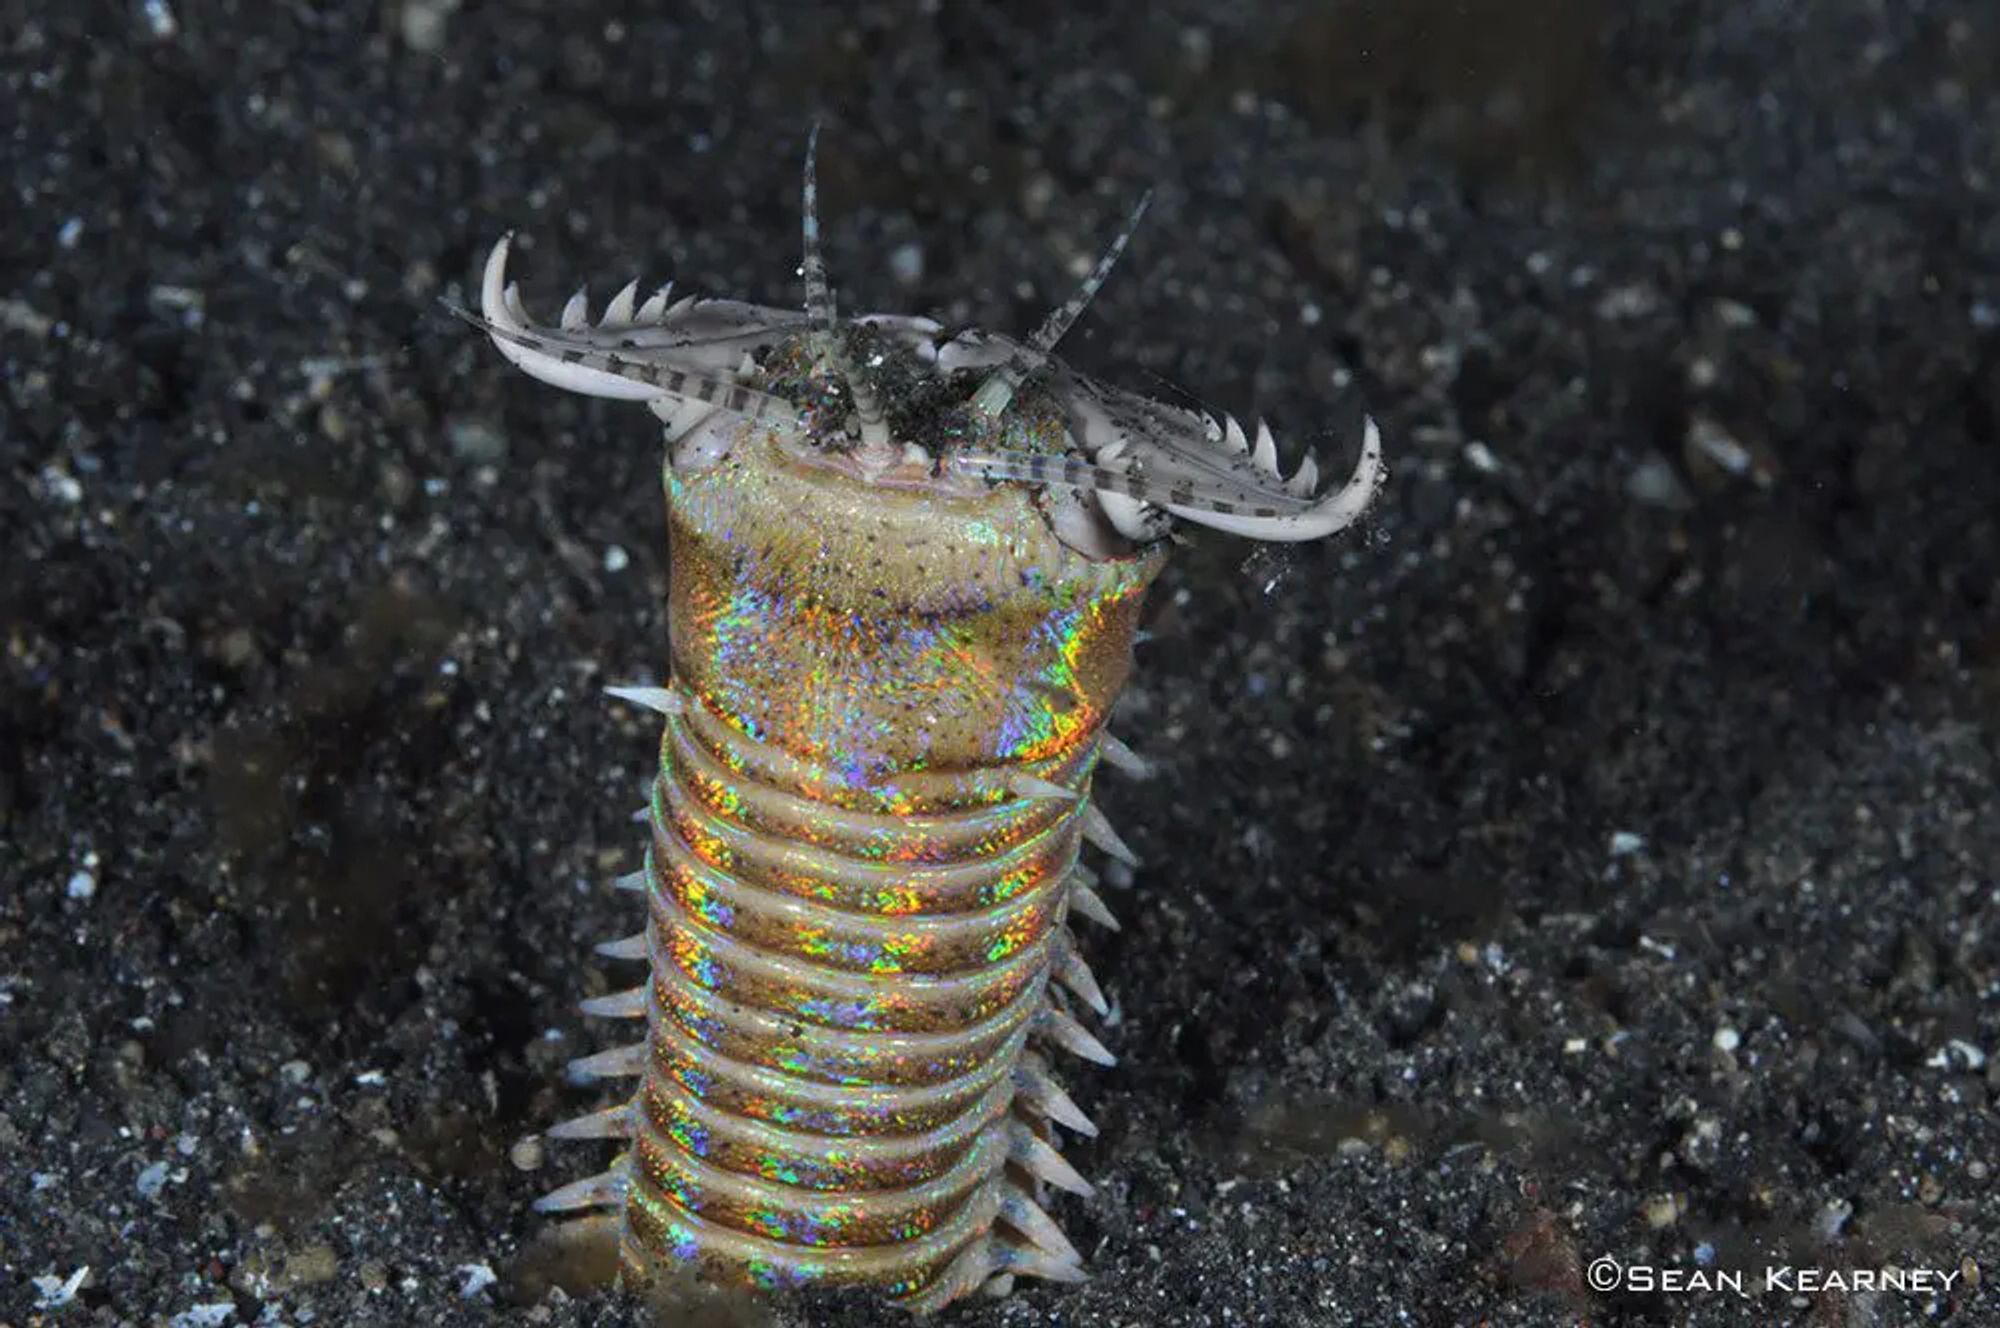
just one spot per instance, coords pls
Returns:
(906, 572)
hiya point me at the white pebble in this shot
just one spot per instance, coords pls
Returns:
(205, 1316)
(1957, 1054)
(906, 263)
(526, 1154)
(1654, 483)
(616, 559)
(1832, 1217)
(160, 20)
(1708, 437)
(60, 485)
(1726, 1039)
(82, 885)
(54, 1292)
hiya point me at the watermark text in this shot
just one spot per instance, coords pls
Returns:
(1608, 1274)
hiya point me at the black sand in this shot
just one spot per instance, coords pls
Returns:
(1596, 857)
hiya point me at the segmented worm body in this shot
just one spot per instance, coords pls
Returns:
(906, 572)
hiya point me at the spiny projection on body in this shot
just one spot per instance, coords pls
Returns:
(906, 571)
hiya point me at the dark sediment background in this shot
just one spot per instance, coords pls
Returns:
(1594, 857)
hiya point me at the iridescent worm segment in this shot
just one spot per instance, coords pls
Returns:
(907, 566)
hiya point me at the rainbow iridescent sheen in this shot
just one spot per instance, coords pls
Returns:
(854, 915)
(907, 568)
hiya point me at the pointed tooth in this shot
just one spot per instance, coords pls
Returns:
(631, 880)
(512, 299)
(606, 1187)
(1076, 975)
(622, 1005)
(625, 947)
(1072, 1037)
(1039, 1089)
(655, 307)
(1032, 1153)
(577, 312)
(1091, 904)
(1027, 1261)
(611, 1063)
(1111, 451)
(1306, 479)
(1266, 455)
(680, 306)
(747, 366)
(618, 313)
(610, 1123)
(1022, 1213)
(1326, 514)
(1099, 832)
(1033, 786)
(1124, 759)
(1232, 435)
(493, 278)
(663, 699)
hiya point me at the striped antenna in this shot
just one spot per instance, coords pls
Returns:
(824, 315)
(997, 392)
(819, 296)
(1036, 468)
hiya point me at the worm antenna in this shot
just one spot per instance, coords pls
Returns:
(820, 310)
(874, 431)
(998, 390)
(824, 314)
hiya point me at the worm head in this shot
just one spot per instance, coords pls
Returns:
(892, 401)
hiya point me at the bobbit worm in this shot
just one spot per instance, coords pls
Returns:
(906, 569)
